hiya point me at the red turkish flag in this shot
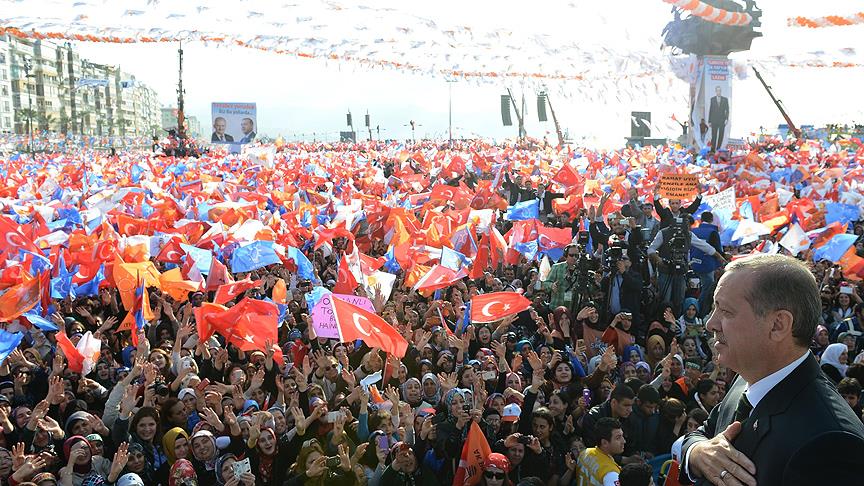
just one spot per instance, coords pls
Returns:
(73, 356)
(249, 325)
(171, 252)
(356, 323)
(438, 277)
(202, 319)
(228, 291)
(217, 276)
(14, 239)
(567, 176)
(497, 305)
(345, 281)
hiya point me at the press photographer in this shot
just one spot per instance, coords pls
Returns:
(632, 236)
(670, 252)
(574, 280)
(621, 284)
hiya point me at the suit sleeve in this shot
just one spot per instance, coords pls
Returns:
(830, 458)
(707, 431)
(694, 206)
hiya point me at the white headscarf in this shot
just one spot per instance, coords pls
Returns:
(831, 356)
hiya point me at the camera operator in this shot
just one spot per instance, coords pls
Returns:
(572, 281)
(621, 283)
(703, 265)
(670, 252)
(626, 230)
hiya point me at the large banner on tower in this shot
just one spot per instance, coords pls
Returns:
(233, 123)
(711, 93)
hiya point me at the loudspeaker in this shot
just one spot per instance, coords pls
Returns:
(640, 124)
(348, 119)
(367, 120)
(505, 111)
(541, 107)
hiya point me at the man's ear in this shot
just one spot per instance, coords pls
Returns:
(781, 322)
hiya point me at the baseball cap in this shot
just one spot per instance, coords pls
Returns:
(185, 392)
(511, 413)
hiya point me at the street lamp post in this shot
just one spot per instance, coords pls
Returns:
(28, 65)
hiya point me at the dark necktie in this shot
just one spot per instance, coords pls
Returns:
(744, 409)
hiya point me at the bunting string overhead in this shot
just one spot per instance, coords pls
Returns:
(712, 14)
(827, 21)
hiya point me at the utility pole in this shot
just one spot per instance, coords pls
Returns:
(28, 65)
(181, 118)
(450, 108)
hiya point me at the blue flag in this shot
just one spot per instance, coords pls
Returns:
(524, 210)
(842, 213)
(466, 317)
(61, 287)
(835, 248)
(315, 296)
(452, 259)
(8, 342)
(39, 321)
(305, 269)
(203, 258)
(253, 256)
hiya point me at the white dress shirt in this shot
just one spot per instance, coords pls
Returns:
(757, 391)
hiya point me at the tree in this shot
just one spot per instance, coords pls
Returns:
(45, 120)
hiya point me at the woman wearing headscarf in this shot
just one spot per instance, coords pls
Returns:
(139, 464)
(225, 473)
(412, 393)
(820, 340)
(81, 464)
(175, 444)
(270, 456)
(495, 470)
(182, 474)
(431, 389)
(452, 431)
(834, 361)
(403, 468)
(690, 322)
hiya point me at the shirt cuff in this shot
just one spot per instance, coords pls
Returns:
(687, 463)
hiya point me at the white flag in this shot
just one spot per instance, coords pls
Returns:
(91, 349)
(795, 240)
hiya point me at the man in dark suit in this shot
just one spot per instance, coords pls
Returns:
(718, 115)
(247, 126)
(782, 422)
(219, 135)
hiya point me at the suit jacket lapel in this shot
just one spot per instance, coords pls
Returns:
(758, 425)
(728, 406)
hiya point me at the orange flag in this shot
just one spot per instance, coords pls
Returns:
(19, 299)
(280, 292)
(474, 454)
(173, 283)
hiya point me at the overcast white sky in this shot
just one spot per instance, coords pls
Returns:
(297, 96)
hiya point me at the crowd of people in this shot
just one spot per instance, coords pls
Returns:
(598, 381)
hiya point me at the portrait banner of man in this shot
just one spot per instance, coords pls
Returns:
(234, 123)
(717, 93)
